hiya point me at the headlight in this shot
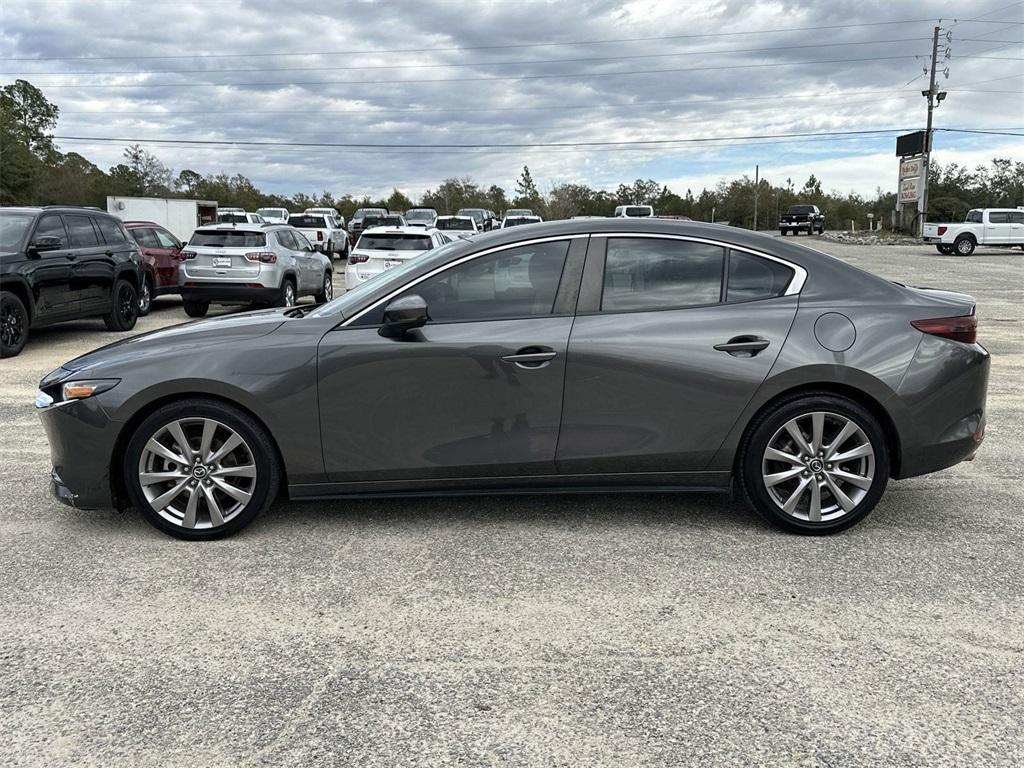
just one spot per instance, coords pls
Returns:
(79, 390)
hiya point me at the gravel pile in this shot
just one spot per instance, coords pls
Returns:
(870, 238)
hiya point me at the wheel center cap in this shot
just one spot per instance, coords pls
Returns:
(816, 465)
(199, 472)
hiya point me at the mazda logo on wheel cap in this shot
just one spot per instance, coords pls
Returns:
(816, 465)
(199, 472)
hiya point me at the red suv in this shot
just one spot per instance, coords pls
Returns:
(161, 255)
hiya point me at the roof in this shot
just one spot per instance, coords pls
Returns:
(407, 230)
(56, 209)
(245, 226)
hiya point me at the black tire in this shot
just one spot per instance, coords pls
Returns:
(326, 290)
(146, 297)
(751, 462)
(964, 245)
(284, 298)
(195, 308)
(783, 232)
(257, 441)
(124, 309)
(14, 324)
(946, 249)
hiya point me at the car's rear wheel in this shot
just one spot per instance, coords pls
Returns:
(944, 248)
(13, 324)
(196, 308)
(783, 232)
(964, 245)
(815, 464)
(146, 297)
(326, 290)
(200, 469)
(125, 308)
(287, 296)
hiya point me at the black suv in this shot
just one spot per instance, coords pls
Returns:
(61, 264)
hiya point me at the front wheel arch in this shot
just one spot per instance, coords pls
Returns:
(118, 490)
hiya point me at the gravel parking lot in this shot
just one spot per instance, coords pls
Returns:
(576, 630)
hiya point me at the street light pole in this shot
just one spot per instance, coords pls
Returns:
(928, 131)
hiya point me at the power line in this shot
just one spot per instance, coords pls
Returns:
(476, 64)
(364, 52)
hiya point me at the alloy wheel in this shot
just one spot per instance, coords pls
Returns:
(328, 288)
(144, 297)
(126, 307)
(818, 466)
(289, 295)
(12, 326)
(197, 473)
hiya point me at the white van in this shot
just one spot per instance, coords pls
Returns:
(634, 211)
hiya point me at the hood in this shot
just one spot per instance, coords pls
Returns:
(228, 329)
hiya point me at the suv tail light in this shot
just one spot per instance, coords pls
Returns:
(186, 255)
(942, 230)
(964, 328)
(265, 257)
(319, 235)
(357, 259)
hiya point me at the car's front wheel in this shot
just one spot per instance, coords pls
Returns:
(326, 290)
(124, 311)
(814, 464)
(13, 324)
(200, 469)
(287, 296)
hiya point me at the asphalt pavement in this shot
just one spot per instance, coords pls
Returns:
(526, 631)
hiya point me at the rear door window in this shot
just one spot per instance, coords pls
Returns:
(999, 217)
(751, 277)
(650, 273)
(166, 239)
(146, 237)
(110, 230)
(81, 233)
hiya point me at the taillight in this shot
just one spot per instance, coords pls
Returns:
(357, 259)
(186, 255)
(964, 328)
(319, 235)
(265, 257)
(942, 230)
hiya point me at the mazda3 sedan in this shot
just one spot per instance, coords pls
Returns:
(589, 355)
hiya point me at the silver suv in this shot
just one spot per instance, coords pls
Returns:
(270, 264)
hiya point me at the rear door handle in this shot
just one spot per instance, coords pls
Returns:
(747, 346)
(531, 357)
(71, 256)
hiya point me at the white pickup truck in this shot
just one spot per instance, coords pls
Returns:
(324, 231)
(1001, 227)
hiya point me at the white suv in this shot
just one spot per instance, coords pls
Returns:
(634, 211)
(238, 216)
(381, 248)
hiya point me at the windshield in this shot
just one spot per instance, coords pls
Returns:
(232, 218)
(801, 209)
(13, 227)
(394, 241)
(516, 221)
(307, 222)
(392, 221)
(638, 210)
(419, 213)
(367, 212)
(227, 238)
(463, 224)
(393, 278)
(518, 212)
(272, 213)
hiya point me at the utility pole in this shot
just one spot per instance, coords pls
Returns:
(757, 169)
(930, 95)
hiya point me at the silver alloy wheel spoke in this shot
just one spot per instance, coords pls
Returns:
(149, 478)
(216, 515)
(167, 497)
(226, 447)
(179, 439)
(209, 429)
(236, 493)
(249, 470)
(818, 466)
(189, 520)
(163, 451)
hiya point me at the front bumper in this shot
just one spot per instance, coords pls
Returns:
(229, 293)
(82, 440)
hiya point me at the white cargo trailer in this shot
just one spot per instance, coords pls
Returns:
(179, 216)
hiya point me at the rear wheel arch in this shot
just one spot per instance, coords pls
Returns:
(859, 396)
(20, 289)
(118, 490)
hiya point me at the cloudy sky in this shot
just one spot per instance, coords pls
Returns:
(415, 75)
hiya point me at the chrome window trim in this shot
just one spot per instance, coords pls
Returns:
(462, 260)
(796, 284)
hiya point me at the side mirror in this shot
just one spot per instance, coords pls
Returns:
(404, 314)
(46, 243)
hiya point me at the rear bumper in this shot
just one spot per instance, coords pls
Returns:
(81, 439)
(229, 293)
(945, 390)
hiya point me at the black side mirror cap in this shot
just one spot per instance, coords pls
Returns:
(404, 314)
(45, 243)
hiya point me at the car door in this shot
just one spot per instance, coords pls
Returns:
(663, 356)
(302, 252)
(1016, 228)
(476, 392)
(997, 228)
(92, 274)
(166, 258)
(49, 272)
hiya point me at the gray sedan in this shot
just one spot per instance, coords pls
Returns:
(592, 355)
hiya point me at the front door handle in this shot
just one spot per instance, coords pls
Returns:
(71, 256)
(743, 346)
(531, 357)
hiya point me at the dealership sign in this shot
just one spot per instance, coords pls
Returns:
(912, 171)
(911, 166)
(910, 189)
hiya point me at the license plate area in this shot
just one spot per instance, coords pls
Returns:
(222, 261)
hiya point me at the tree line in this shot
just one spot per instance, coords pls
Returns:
(34, 172)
